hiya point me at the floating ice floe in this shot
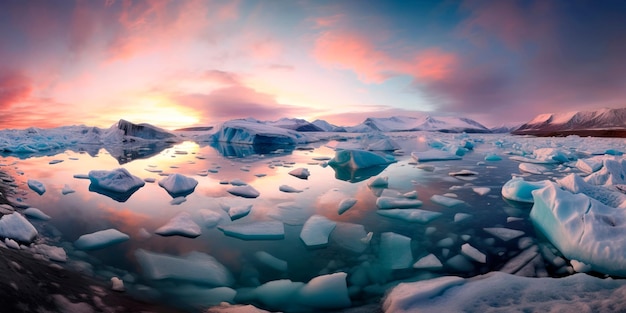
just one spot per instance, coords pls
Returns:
(15, 226)
(473, 253)
(67, 190)
(288, 189)
(196, 267)
(178, 185)
(590, 165)
(289, 213)
(345, 205)
(410, 215)
(504, 234)
(350, 236)
(301, 173)
(246, 191)
(325, 292)
(180, 225)
(36, 214)
(459, 217)
(481, 190)
(316, 231)
(178, 200)
(544, 156)
(117, 184)
(532, 168)
(429, 262)
(36, 186)
(238, 212)
(463, 172)
(385, 203)
(446, 201)
(520, 190)
(434, 155)
(395, 251)
(358, 159)
(493, 157)
(100, 239)
(378, 182)
(265, 230)
(582, 228)
(485, 294)
(271, 261)
(238, 182)
(51, 252)
(210, 217)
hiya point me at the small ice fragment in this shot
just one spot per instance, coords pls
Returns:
(100, 239)
(461, 217)
(117, 284)
(481, 190)
(266, 230)
(434, 155)
(410, 195)
(379, 181)
(410, 215)
(36, 186)
(271, 261)
(367, 238)
(429, 262)
(210, 217)
(180, 225)
(51, 252)
(345, 205)
(178, 185)
(301, 173)
(238, 182)
(493, 157)
(426, 167)
(244, 191)
(463, 172)
(445, 201)
(316, 231)
(513, 219)
(11, 243)
(15, 226)
(239, 211)
(384, 203)
(67, 189)
(55, 162)
(36, 214)
(473, 253)
(288, 189)
(149, 180)
(580, 267)
(533, 168)
(395, 251)
(504, 234)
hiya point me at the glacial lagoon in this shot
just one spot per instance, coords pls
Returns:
(480, 233)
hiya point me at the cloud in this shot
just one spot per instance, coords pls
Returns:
(15, 87)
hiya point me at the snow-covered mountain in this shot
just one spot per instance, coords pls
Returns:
(328, 127)
(425, 123)
(603, 122)
(296, 124)
(505, 128)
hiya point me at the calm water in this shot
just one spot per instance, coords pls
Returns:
(149, 208)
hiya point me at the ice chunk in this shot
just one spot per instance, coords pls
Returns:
(434, 155)
(378, 181)
(460, 263)
(481, 190)
(196, 267)
(429, 262)
(346, 204)
(357, 159)
(613, 172)
(271, 261)
(301, 173)
(590, 165)
(238, 182)
(461, 217)
(289, 213)
(576, 184)
(51, 252)
(178, 200)
(397, 203)
(67, 189)
(15, 226)
(277, 294)
(493, 157)
(11, 243)
(463, 172)
(288, 189)
(117, 284)
(238, 212)
(178, 185)
(36, 186)
(117, 184)
(473, 253)
(582, 228)
(36, 214)
(410, 215)
(325, 292)
(533, 168)
(180, 225)
(266, 230)
(244, 191)
(395, 251)
(100, 239)
(446, 201)
(316, 231)
(520, 190)
(248, 132)
(504, 234)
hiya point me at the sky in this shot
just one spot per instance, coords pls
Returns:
(186, 63)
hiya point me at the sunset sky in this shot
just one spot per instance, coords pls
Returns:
(183, 62)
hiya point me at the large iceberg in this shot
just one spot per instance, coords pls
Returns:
(253, 133)
(118, 184)
(582, 228)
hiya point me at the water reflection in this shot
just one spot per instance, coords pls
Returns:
(129, 152)
(357, 175)
(242, 150)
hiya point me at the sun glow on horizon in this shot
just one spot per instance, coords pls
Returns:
(161, 112)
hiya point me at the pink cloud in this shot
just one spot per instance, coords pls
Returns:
(373, 65)
(15, 87)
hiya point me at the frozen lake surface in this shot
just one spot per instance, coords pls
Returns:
(246, 225)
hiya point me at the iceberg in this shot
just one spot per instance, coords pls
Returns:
(143, 131)
(316, 231)
(180, 225)
(246, 191)
(178, 185)
(267, 230)
(520, 190)
(358, 159)
(301, 173)
(252, 133)
(196, 267)
(434, 155)
(15, 226)
(100, 239)
(36, 186)
(239, 211)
